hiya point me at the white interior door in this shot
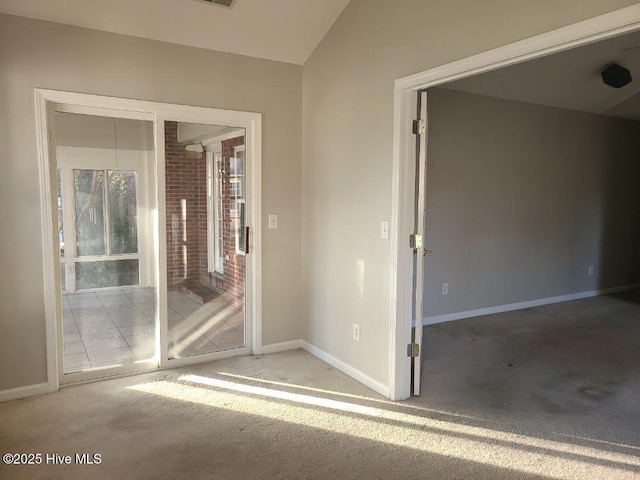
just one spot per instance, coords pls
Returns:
(420, 250)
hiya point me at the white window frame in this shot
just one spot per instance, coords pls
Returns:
(215, 253)
(239, 180)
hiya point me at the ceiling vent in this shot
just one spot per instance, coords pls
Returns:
(616, 76)
(222, 3)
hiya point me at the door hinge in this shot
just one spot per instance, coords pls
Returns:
(415, 241)
(50, 137)
(419, 127)
(413, 350)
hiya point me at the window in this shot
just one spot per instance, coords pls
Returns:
(238, 199)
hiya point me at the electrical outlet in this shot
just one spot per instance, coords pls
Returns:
(273, 221)
(590, 270)
(445, 288)
(356, 332)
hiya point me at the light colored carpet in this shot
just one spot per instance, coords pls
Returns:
(291, 416)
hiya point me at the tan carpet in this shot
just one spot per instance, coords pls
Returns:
(291, 416)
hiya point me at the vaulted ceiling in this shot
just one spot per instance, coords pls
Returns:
(569, 79)
(289, 31)
(283, 30)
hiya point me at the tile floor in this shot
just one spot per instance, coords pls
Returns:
(117, 327)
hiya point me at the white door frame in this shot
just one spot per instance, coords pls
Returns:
(588, 31)
(158, 112)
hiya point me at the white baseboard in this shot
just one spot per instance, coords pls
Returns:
(346, 369)
(331, 360)
(281, 347)
(522, 305)
(27, 391)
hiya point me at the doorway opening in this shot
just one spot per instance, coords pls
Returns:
(403, 305)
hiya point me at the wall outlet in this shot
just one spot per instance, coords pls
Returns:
(590, 270)
(445, 288)
(356, 332)
(273, 221)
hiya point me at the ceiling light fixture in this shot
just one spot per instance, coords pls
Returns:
(616, 76)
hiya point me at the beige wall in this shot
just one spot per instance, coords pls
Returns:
(47, 55)
(347, 146)
(76, 130)
(522, 199)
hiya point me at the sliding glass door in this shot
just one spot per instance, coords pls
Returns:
(151, 232)
(205, 188)
(104, 233)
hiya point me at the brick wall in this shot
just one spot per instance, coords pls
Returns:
(185, 176)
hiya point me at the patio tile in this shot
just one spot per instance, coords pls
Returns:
(110, 303)
(144, 302)
(230, 345)
(73, 348)
(191, 351)
(84, 302)
(144, 351)
(180, 330)
(94, 326)
(128, 313)
(230, 336)
(110, 294)
(137, 330)
(101, 334)
(76, 362)
(173, 315)
(69, 328)
(111, 356)
(138, 293)
(72, 337)
(104, 344)
(79, 312)
(236, 321)
(138, 339)
(131, 322)
(126, 308)
(93, 318)
(147, 308)
(186, 307)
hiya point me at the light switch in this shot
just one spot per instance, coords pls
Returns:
(273, 221)
(384, 230)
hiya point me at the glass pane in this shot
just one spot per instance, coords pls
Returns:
(109, 302)
(206, 308)
(60, 224)
(88, 187)
(63, 277)
(112, 273)
(123, 211)
(237, 192)
(219, 213)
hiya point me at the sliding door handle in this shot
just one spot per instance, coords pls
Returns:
(246, 241)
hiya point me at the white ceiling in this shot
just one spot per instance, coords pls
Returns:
(284, 30)
(568, 79)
